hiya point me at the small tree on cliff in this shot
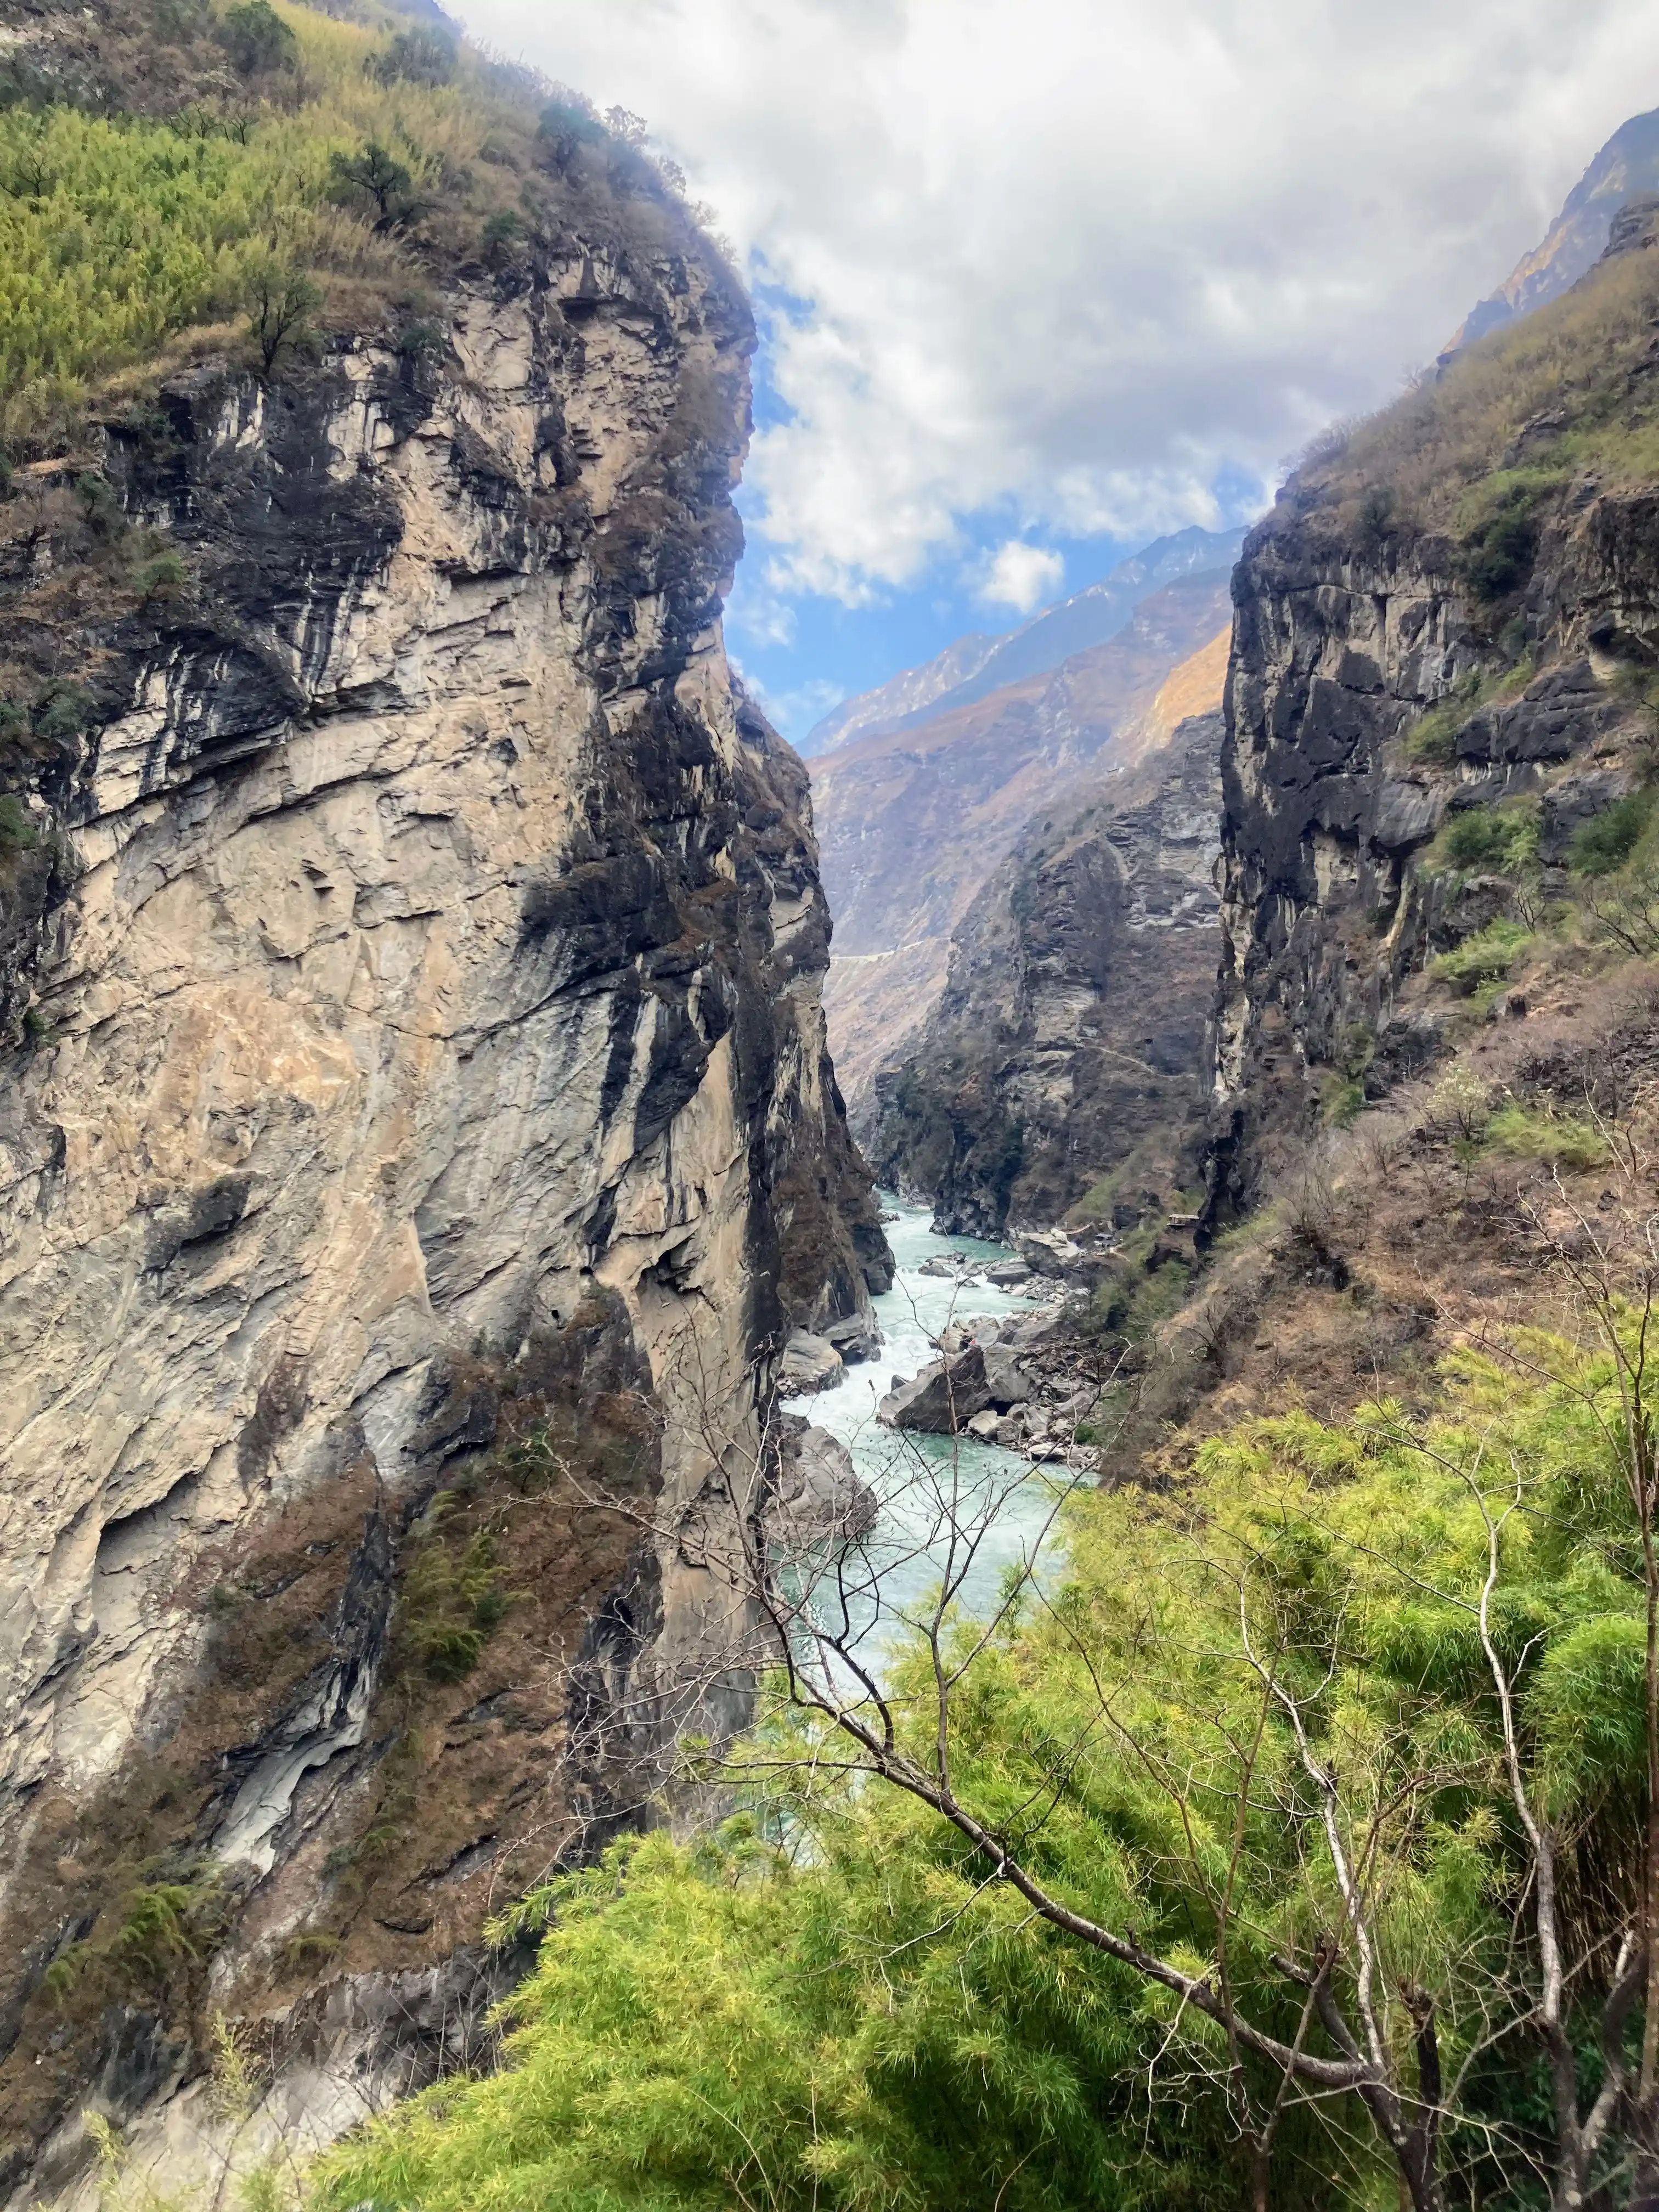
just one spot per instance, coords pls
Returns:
(280, 303)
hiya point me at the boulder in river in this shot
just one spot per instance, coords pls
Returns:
(808, 1363)
(819, 1498)
(942, 1399)
(1006, 1382)
(856, 1338)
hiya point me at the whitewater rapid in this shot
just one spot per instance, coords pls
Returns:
(922, 1483)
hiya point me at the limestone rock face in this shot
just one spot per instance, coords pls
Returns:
(1068, 1046)
(427, 1023)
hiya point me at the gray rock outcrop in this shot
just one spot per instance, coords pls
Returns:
(819, 1498)
(951, 1393)
(808, 1363)
(1067, 1053)
(942, 1399)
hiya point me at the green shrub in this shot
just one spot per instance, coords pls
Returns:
(421, 56)
(162, 1925)
(1528, 1134)
(1433, 737)
(63, 712)
(1604, 844)
(258, 40)
(418, 341)
(452, 1598)
(1343, 1101)
(1501, 540)
(163, 578)
(1488, 956)
(1501, 837)
(17, 833)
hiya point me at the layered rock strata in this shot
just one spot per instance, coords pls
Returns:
(415, 976)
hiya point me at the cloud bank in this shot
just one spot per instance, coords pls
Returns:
(1093, 267)
(1022, 576)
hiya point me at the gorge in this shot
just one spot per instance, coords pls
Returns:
(433, 1187)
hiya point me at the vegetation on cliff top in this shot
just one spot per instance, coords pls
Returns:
(365, 159)
(1477, 451)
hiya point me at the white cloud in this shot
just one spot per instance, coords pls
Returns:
(1070, 259)
(1021, 576)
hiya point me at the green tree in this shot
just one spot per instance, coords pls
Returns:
(380, 177)
(280, 301)
(420, 56)
(258, 40)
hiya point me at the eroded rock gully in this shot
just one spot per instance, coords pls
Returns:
(428, 1076)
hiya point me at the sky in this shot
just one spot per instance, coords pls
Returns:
(1041, 279)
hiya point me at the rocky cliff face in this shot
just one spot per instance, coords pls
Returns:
(417, 1081)
(1063, 1062)
(913, 822)
(1422, 719)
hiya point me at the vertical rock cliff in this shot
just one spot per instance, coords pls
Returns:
(418, 1133)
(1443, 643)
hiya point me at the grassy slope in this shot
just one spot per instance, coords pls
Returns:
(147, 170)
(1570, 391)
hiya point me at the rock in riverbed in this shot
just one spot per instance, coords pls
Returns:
(856, 1338)
(942, 1399)
(946, 1398)
(819, 1498)
(809, 1364)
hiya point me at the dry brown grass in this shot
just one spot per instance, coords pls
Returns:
(1572, 359)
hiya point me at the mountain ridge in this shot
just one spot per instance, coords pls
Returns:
(911, 822)
(1626, 167)
(974, 665)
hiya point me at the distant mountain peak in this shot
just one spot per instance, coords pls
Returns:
(976, 666)
(1626, 169)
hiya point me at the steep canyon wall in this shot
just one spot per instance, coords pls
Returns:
(416, 1065)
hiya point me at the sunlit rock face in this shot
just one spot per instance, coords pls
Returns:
(1065, 1061)
(417, 1037)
